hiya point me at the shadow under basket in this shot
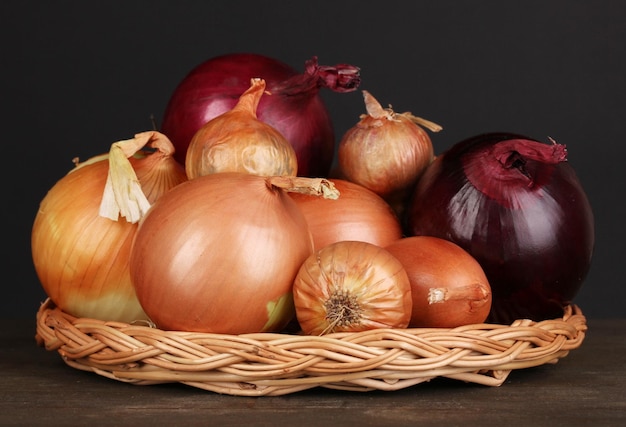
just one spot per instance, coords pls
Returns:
(278, 364)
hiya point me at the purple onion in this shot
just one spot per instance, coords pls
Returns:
(517, 206)
(293, 105)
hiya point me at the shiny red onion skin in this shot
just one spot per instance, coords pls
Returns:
(534, 241)
(293, 105)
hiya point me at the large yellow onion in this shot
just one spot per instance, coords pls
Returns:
(81, 257)
(219, 253)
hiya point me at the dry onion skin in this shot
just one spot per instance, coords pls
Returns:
(448, 286)
(357, 214)
(82, 257)
(237, 141)
(219, 253)
(386, 151)
(351, 286)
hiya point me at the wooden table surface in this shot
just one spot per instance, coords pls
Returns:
(586, 388)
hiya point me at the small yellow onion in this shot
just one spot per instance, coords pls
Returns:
(351, 286)
(448, 286)
(82, 257)
(386, 151)
(237, 141)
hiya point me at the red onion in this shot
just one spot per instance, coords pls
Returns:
(517, 206)
(294, 108)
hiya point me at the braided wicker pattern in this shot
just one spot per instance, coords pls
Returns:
(278, 364)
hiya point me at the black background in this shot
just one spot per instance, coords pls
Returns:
(77, 76)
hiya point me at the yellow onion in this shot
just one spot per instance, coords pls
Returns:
(82, 257)
(237, 141)
(386, 151)
(448, 286)
(351, 286)
(219, 253)
(357, 214)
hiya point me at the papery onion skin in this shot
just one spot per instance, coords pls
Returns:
(448, 286)
(351, 286)
(532, 232)
(219, 254)
(295, 108)
(82, 258)
(357, 214)
(63, 213)
(385, 152)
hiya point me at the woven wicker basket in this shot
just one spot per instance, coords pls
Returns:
(278, 364)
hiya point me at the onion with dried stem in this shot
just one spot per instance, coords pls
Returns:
(448, 286)
(357, 214)
(517, 206)
(386, 151)
(83, 230)
(219, 253)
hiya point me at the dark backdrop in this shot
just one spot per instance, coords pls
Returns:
(77, 76)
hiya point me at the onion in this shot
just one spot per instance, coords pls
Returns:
(386, 151)
(81, 257)
(351, 286)
(296, 109)
(516, 206)
(357, 214)
(237, 141)
(219, 253)
(448, 286)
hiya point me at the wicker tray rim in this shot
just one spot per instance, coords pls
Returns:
(280, 363)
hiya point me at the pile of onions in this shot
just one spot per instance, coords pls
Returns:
(237, 141)
(82, 257)
(386, 151)
(219, 253)
(516, 205)
(357, 214)
(351, 286)
(448, 286)
(295, 108)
